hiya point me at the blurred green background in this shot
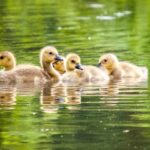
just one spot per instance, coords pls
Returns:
(87, 27)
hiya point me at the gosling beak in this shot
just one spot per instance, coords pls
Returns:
(78, 66)
(99, 65)
(58, 58)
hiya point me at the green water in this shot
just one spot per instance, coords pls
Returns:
(109, 117)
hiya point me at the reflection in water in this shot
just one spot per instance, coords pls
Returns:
(66, 110)
(117, 90)
(7, 97)
(73, 97)
(29, 88)
(51, 95)
(59, 93)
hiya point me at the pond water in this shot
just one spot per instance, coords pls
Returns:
(57, 117)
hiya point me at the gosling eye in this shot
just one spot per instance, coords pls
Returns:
(50, 53)
(73, 61)
(105, 60)
(2, 97)
(1, 57)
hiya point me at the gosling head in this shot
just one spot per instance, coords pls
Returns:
(109, 62)
(60, 66)
(7, 60)
(48, 55)
(73, 62)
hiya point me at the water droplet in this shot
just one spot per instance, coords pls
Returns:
(59, 28)
(126, 131)
(42, 130)
(33, 113)
(105, 17)
(94, 5)
(89, 38)
(100, 121)
(123, 13)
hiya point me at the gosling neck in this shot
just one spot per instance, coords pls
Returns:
(54, 73)
(112, 68)
(45, 65)
(48, 67)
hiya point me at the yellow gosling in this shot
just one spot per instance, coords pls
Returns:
(74, 70)
(78, 73)
(48, 56)
(7, 60)
(25, 72)
(118, 70)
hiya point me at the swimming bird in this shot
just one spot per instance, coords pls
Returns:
(48, 56)
(121, 69)
(26, 72)
(74, 69)
(7, 60)
(80, 73)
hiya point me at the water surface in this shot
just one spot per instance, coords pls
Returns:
(58, 117)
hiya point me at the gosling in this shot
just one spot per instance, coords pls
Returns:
(25, 72)
(77, 72)
(119, 70)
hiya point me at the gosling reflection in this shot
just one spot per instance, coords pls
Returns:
(8, 97)
(73, 97)
(53, 96)
(116, 90)
(24, 89)
(28, 89)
